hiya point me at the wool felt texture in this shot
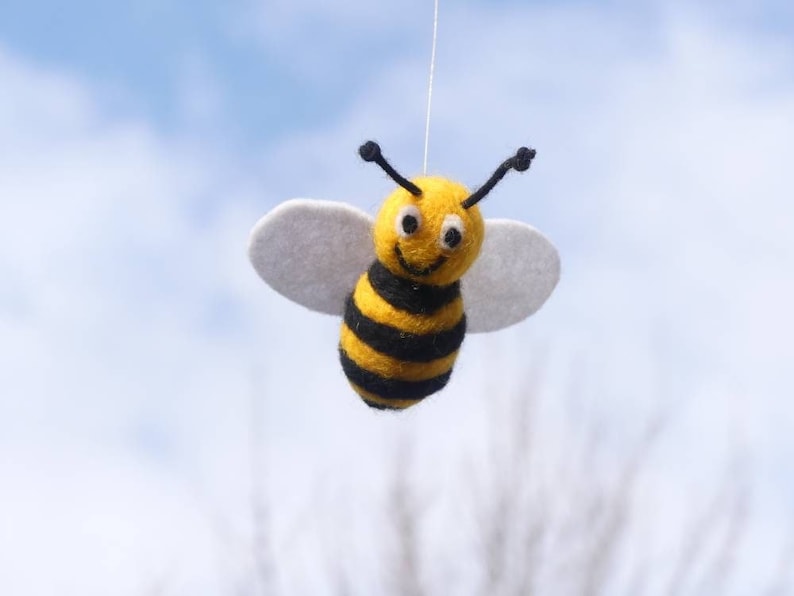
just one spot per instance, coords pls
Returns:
(405, 363)
(389, 388)
(409, 306)
(410, 283)
(422, 255)
(379, 403)
(400, 344)
(370, 358)
(312, 252)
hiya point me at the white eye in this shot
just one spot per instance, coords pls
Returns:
(452, 231)
(408, 221)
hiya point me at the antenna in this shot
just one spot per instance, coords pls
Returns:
(370, 151)
(519, 162)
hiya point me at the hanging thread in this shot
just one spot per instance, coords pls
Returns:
(430, 83)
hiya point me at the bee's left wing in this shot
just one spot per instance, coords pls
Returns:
(516, 271)
(312, 252)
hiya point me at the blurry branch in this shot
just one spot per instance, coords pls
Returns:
(728, 505)
(247, 565)
(157, 587)
(550, 519)
(510, 551)
(569, 528)
(405, 575)
(230, 544)
(261, 551)
(718, 573)
(342, 586)
(781, 583)
(529, 494)
(334, 542)
(253, 560)
(611, 522)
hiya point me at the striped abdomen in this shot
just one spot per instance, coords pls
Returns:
(399, 338)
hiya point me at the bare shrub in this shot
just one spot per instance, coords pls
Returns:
(548, 513)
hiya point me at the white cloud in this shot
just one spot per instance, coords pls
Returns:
(110, 280)
(77, 520)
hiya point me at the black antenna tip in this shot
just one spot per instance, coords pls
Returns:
(369, 151)
(523, 159)
(519, 162)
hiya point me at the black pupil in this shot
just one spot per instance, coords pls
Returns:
(452, 237)
(410, 224)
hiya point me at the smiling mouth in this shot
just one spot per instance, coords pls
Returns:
(416, 270)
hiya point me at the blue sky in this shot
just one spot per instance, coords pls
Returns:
(141, 51)
(146, 47)
(140, 143)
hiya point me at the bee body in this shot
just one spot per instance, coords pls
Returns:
(399, 339)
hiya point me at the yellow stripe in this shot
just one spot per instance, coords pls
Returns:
(392, 403)
(377, 309)
(386, 366)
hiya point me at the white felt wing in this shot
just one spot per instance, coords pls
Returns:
(312, 252)
(516, 271)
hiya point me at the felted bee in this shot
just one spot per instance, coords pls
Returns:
(400, 282)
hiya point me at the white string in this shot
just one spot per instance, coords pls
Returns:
(430, 83)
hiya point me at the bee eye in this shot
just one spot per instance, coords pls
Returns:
(408, 221)
(451, 232)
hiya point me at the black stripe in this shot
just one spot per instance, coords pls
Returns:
(390, 388)
(378, 406)
(401, 344)
(410, 296)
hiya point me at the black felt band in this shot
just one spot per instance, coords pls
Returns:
(407, 295)
(390, 388)
(378, 406)
(401, 344)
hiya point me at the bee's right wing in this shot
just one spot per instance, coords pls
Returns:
(312, 252)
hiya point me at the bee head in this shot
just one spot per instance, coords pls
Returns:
(432, 238)
(430, 230)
